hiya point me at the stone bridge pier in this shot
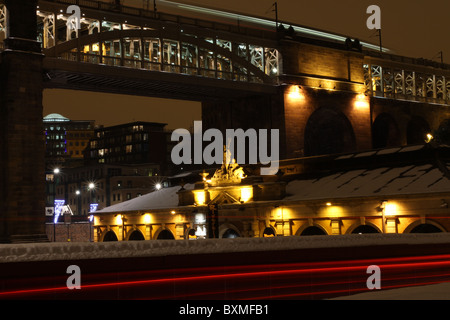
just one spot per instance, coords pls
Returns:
(22, 143)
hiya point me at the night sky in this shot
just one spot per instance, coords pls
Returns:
(414, 28)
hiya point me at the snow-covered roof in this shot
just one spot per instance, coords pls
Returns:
(401, 175)
(164, 198)
(405, 180)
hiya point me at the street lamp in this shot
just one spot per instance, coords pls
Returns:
(56, 171)
(91, 217)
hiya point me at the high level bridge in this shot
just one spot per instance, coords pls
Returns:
(327, 93)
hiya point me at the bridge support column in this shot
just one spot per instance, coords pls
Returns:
(22, 188)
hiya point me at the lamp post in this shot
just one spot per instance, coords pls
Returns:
(91, 188)
(55, 178)
(91, 217)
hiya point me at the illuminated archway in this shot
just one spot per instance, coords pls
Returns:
(269, 232)
(312, 231)
(230, 234)
(165, 234)
(109, 236)
(358, 228)
(136, 235)
(427, 226)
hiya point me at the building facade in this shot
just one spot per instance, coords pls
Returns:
(66, 139)
(131, 143)
(391, 190)
(91, 188)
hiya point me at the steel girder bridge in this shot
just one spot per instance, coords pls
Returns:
(199, 55)
(137, 51)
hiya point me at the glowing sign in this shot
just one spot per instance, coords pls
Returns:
(93, 207)
(59, 204)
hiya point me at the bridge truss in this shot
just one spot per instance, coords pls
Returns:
(137, 39)
(389, 79)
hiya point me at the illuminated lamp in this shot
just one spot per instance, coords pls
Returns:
(246, 194)
(119, 219)
(200, 198)
(147, 218)
(295, 93)
(390, 209)
(361, 101)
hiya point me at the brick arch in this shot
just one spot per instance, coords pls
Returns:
(328, 131)
(385, 132)
(417, 130)
(442, 134)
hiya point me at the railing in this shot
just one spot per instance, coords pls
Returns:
(132, 11)
(156, 66)
(402, 83)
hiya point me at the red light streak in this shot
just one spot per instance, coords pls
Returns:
(254, 278)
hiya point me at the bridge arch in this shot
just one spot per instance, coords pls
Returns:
(442, 134)
(385, 132)
(427, 226)
(154, 48)
(328, 131)
(417, 130)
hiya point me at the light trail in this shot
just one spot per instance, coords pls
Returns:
(253, 281)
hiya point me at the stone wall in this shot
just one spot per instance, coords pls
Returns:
(70, 232)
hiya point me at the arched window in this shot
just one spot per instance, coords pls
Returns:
(426, 228)
(313, 231)
(136, 235)
(230, 233)
(365, 229)
(268, 232)
(110, 236)
(165, 235)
